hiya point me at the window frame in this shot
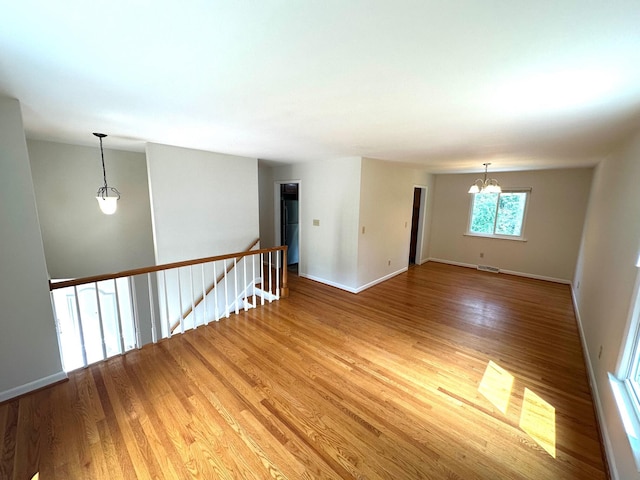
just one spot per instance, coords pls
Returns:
(520, 237)
(626, 390)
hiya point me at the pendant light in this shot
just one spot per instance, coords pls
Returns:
(486, 185)
(107, 196)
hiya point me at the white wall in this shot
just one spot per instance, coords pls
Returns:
(345, 195)
(266, 192)
(79, 240)
(604, 283)
(553, 226)
(203, 203)
(29, 353)
(386, 201)
(329, 193)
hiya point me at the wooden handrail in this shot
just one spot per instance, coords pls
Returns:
(166, 266)
(213, 285)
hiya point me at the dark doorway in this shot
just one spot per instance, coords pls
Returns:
(415, 218)
(289, 227)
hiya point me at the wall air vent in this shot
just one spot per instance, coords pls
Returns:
(488, 268)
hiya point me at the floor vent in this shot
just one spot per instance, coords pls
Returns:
(488, 268)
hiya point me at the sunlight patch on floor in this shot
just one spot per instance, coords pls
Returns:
(537, 416)
(538, 419)
(496, 386)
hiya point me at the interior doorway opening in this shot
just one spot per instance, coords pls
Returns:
(290, 223)
(417, 225)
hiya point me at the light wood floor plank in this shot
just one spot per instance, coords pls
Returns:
(385, 384)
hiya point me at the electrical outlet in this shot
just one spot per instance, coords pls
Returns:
(600, 352)
(316, 222)
(389, 262)
(481, 254)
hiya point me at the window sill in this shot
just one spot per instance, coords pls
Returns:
(497, 237)
(628, 414)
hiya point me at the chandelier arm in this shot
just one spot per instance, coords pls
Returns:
(482, 184)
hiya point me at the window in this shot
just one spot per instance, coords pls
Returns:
(626, 382)
(498, 215)
(633, 371)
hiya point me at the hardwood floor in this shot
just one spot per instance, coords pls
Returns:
(440, 373)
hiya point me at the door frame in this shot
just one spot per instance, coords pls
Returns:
(277, 217)
(422, 221)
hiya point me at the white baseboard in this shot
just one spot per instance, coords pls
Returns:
(381, 279)
(451, 262)
(608, 447)
(328, 282)
(31, 386)
(537, 277)
(507, 272)
(351, 289)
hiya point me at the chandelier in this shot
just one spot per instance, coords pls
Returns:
(486, 185)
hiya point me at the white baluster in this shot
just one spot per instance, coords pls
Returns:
(193, 306)
(270, 283)
(244, 282)
(226, 296)
(166, 303)
(262, 285)
(119, 318)
(204, 295)
(80, 329)
(134, 310)
(216, 311)
(253, 279)
(154, 333)
(102, 341)
(180, 301)
(235, 285)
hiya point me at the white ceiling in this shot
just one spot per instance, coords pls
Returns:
(444, 84)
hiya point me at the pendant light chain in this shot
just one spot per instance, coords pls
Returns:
(104, 171)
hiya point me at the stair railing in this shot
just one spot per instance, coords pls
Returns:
(105, 315)
(211, 287)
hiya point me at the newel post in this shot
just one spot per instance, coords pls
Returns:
(284, 288)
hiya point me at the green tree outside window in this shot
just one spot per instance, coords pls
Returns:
(498, 213)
